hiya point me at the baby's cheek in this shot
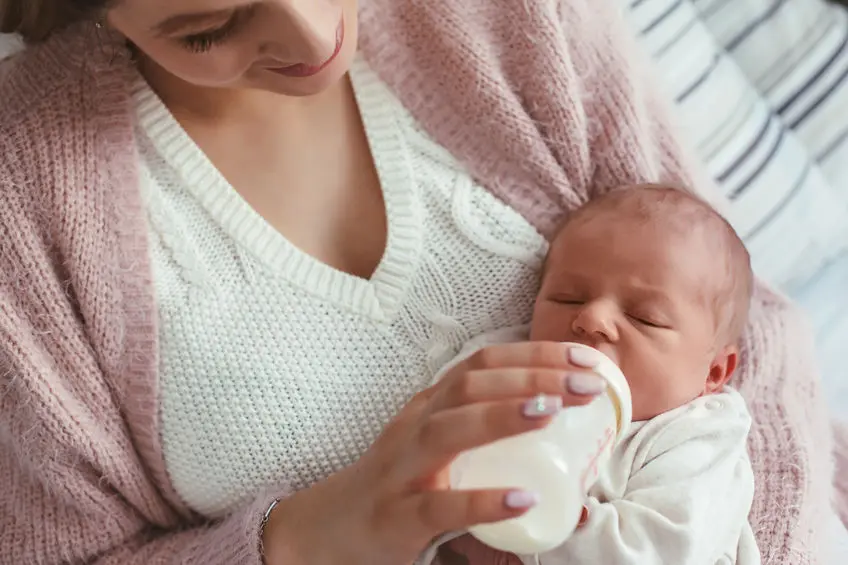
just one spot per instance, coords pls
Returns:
(466, 550)
(550, 324)
(659, 387)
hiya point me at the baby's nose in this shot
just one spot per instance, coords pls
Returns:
(596, 321)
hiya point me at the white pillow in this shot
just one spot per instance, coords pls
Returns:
(785, 208)
(795, 52)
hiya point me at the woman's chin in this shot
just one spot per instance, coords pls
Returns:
(299, 86)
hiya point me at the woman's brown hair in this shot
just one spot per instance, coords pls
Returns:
(36, 20)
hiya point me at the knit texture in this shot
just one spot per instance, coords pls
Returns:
(299, 366)
(543, 104)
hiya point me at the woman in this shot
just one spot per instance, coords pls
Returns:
(234, 254)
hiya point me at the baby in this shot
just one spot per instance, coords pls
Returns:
(661, 283)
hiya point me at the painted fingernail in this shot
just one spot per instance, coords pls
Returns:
(542, 406)
(584, 384)
(518, 499)
(586, 358)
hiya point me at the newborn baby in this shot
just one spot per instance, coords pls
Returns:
(661, 283)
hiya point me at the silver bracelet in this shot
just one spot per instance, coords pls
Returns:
(265, 519)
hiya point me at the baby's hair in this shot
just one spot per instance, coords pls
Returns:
(682, 211)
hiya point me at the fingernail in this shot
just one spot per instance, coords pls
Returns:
(517, 499)
(542, 406)
(586, 358)
(585, 384)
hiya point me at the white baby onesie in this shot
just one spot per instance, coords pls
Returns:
(677, 490)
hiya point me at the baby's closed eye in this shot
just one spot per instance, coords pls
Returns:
(567, 300)
(650, 320)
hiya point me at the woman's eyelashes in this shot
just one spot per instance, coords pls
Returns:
(204, 41)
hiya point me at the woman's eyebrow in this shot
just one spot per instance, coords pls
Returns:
(180, 21)
(177, 22)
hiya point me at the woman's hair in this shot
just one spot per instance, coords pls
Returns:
(36, 20)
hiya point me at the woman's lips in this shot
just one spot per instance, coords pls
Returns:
(302, 70)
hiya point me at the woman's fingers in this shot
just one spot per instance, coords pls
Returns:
(498, 393)
(446, 433)
(574, 387)
(521, 369)
(446, 510)
(541, 354)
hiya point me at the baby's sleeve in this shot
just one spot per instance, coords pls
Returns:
(687, 499)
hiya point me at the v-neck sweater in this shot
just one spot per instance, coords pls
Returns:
(277, 368)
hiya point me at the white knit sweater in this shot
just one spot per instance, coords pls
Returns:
(278, 368)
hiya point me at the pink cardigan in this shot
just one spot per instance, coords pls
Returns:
(542, 102)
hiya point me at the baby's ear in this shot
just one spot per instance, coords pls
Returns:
(722, 368)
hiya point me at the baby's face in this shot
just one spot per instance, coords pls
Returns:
(644, 296)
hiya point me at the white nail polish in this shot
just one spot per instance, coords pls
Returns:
(521, 499)
(586, 358)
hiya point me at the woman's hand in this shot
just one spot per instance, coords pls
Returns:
(385, 508)
(466, 550)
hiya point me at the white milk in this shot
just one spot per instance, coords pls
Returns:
(559, 463)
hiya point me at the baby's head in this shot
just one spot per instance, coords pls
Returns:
(658, 280)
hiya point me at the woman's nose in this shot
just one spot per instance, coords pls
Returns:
(302, 31)
(596, 320)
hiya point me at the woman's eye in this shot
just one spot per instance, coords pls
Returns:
(200, 43)
(205, 41)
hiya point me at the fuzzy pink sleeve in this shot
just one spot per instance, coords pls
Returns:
(73, 488)
(79, 519)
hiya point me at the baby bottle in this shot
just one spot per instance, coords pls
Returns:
(559, 463)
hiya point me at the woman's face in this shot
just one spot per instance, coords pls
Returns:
(292, 47)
